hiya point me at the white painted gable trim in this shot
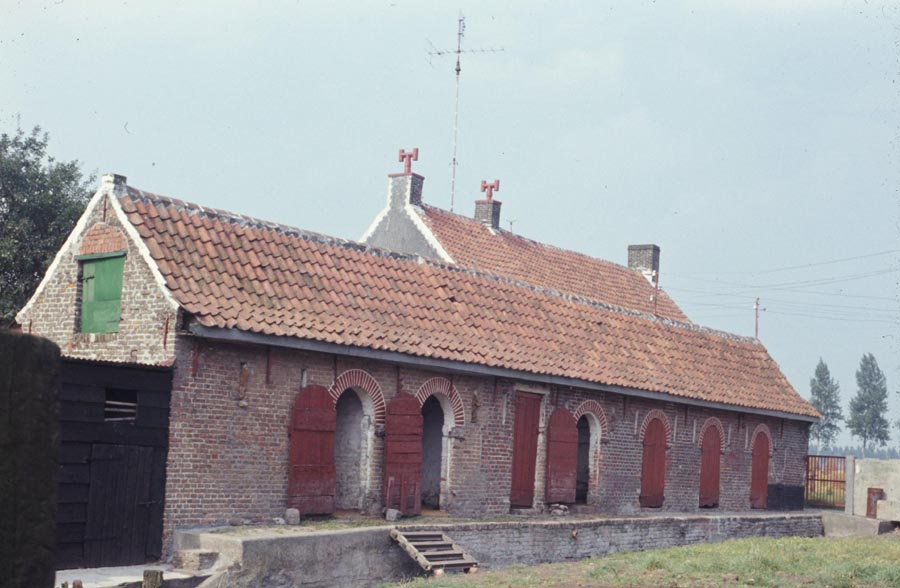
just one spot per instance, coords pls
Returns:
(105, 191)
(413, 213)
(144, 252)
(375, 224)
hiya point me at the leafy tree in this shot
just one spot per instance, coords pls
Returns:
(868, 407)
(825, 395)
(40, 201)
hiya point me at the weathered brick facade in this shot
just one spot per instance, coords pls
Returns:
(228, 462)
(146, 331)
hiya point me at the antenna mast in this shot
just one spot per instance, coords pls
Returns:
(453, 163)
(460, 32)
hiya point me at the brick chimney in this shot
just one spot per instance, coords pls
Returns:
(487, 211)
(645, 259)
(114, 182)
(405, 188)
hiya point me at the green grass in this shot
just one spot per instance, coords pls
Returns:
(871, 562)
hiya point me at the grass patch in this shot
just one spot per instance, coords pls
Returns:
(870, 562)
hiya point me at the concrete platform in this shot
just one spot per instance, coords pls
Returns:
(126, 575)
(295, 557)
(839, 524)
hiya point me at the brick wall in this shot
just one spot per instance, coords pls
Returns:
(54, 314)
(228, 454)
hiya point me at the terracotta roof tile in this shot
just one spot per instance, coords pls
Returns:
(347, 293)
(472, 244)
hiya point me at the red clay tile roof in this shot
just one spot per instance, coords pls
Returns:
(231, 271)
(472, 244)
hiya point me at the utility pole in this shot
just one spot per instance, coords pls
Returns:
(756, 309)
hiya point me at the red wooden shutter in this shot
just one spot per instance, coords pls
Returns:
(403, 455)
(311, 481)
(759, 475)
(653, 467)
(562, 456)
(525, 433)
(709, 468)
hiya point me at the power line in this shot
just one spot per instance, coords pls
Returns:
(812, 282)
(803, 266)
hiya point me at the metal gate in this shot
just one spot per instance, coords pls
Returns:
(825, 481)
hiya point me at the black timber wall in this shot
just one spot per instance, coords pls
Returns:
(87, 512)
(29, 445)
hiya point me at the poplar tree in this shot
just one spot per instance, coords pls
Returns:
(867, 409)
(825, 396)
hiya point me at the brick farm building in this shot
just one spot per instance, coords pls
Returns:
(220, 369)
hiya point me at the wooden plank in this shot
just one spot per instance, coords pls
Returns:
(152, 417)
(82, 393)
(155, 514)
(121, 433)
(653, 465)
(525, 433)
(74, 453)
(71, 513)
(74, 473)
(710, 458)
(562, 457)
(312, 475)
(154, 398)
(102, 375)
(72, 493)
(70, 533)
(86, 412)
(759, 472)
(403, 455)
(69, 556)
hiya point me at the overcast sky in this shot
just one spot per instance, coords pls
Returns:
(755, 141)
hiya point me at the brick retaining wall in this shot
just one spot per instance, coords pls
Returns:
(505, 544)
(368, 557)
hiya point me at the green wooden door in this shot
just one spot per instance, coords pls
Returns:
(101, 294)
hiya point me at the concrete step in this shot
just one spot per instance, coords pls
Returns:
(839, 524)
(194, 560)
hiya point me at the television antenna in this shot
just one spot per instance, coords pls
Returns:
(435, 52)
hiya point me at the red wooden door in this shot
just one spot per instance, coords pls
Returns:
(709, 468)
(759, 474)
(403, 455)
(653, 466)
(562, 456)
(311, 480)
(525, 434)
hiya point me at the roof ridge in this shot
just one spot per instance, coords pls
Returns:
(530, 240)
(243, 220)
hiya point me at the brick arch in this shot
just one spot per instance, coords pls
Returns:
(593, 407)
(443, 387)
(362, 381)
(762, 429)
(657, 414)
(712, 422)
(102, 238)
